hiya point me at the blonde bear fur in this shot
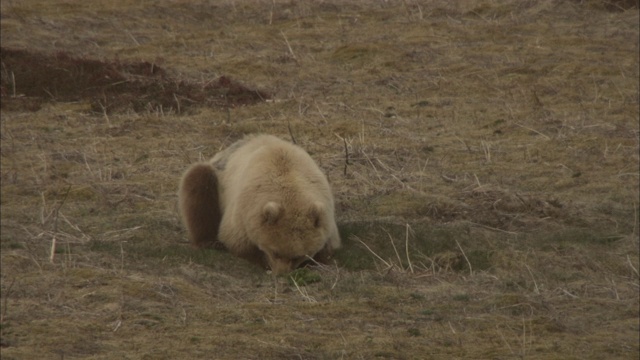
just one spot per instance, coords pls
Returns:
(265, 200)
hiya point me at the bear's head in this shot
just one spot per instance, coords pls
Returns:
(289, 235)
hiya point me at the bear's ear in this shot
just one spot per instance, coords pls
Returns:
(271, 212)
(316, 213)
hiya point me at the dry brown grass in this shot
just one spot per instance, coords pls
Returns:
(484, 157)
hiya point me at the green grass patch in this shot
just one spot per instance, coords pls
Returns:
(366, 243)
(303, 276)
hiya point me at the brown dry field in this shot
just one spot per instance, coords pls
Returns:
(483, 155)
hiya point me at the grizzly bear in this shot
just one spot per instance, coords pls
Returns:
(263, 199)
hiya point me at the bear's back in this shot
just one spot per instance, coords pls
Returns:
(267, 162)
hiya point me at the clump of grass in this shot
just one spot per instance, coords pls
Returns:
(303, 277)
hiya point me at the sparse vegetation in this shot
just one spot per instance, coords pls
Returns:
(484, 158)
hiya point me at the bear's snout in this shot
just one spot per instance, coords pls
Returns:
(281, 266)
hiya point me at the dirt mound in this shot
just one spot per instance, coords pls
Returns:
(30, 78)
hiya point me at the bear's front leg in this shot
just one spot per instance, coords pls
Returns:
(325, 255)
(199, 205)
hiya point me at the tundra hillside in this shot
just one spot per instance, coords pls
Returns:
(483, 156)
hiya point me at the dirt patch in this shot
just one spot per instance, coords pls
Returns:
(31, 78)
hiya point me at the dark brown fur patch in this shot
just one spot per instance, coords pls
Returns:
(323, 256)
(256, 256)
(199, 205)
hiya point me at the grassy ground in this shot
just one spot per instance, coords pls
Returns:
(483, 155)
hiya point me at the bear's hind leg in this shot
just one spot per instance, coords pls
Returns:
(199, 205)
